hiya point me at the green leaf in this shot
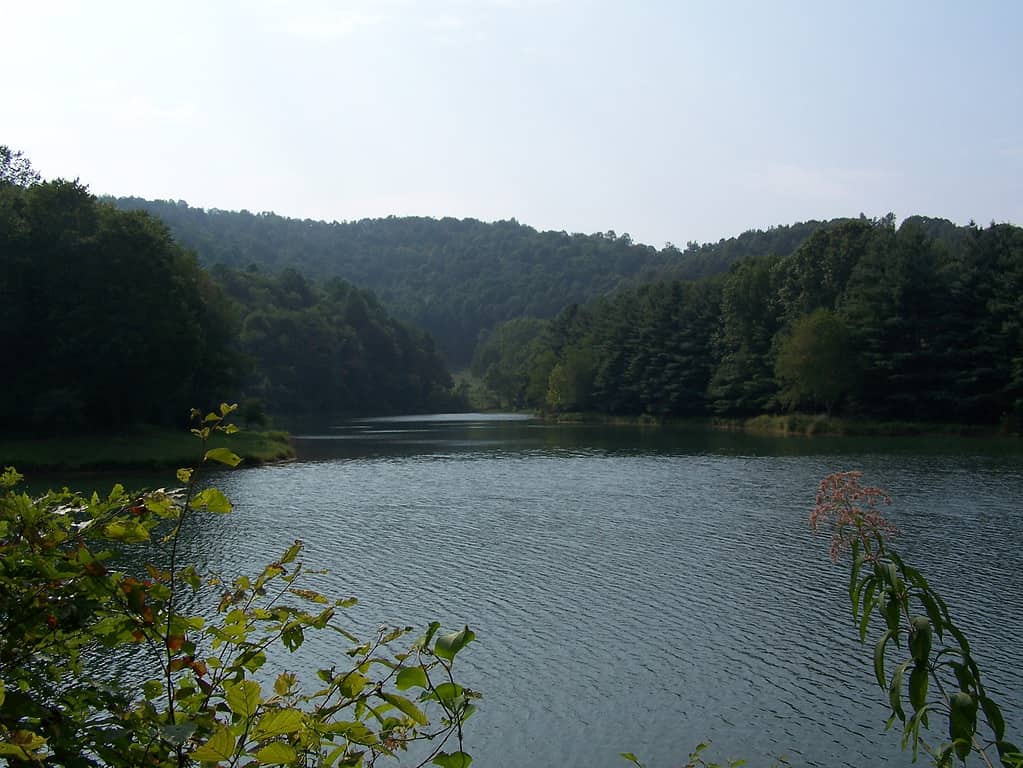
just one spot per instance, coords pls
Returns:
(177, 734)
(277, 722)
(891, 617)
(932, 612)
(411, 677)
(212, 500)
(447, 646)
(919, 679)
(879, 659)
(184, 476)
(895, 691)
(293, 636)
(219, 748)
(868, 608)
(352, 684)
(632, 759)
(446, 693)
(277, 753)
(856, 590)
(127, 531)
(243, 698)
(994, 717)
(405, 706)
(291, 552)
(424, 641)
(962, 723)
(224, 456)
(308, 594)
(284, 683)
(15, 750)
(1009, 753)
(151, 689)
(453, 760)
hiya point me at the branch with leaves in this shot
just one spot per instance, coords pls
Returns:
(936, 674)
(209, 700)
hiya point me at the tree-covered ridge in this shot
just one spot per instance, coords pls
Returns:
(106, 320)
(922, 322)
(330, 348)
(452, 277)
(109, 322)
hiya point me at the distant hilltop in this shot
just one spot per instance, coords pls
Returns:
(457, 278)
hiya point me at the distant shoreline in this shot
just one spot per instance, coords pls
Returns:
(793, 425)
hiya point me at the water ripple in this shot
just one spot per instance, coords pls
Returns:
(629, 597)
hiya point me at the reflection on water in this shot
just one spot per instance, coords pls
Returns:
(636, 589)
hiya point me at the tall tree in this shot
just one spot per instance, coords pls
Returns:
(817, 363)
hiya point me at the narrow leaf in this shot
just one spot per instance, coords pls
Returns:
(994, 717)
(405, 706)
(879, 659)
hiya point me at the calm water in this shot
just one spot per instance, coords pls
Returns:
(637, 590)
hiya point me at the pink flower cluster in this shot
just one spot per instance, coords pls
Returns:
(851, 510)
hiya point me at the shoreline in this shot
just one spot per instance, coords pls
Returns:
(792, 425)
(142, 448)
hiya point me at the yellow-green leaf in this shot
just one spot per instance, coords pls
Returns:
(244, 698)
(405, 706)
(219, 747)
(128, 531)
(276, 753)
(212, 500)
(284, 683)
(224, 456)
(277, 723)
(411, 677)
(352, 684)
(184, 476)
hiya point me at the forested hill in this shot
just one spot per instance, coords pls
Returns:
(919, 322)
(109, 323)
(455, 278)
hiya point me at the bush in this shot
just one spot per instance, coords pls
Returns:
(211, 700)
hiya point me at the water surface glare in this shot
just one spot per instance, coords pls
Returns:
(633, 589)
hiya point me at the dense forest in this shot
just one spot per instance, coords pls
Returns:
(113, 322)
(921, 322)
(108, 322)
(455, 278)
(330, 348)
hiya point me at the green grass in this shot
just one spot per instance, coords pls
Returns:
(140, 448)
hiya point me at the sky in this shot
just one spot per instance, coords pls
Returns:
(672, 121)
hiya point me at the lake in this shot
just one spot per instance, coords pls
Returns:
(638, 589)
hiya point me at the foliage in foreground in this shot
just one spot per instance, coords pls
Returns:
(67, 614)
(206, 694)
(936, 678)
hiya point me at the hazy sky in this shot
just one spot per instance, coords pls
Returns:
(672, 121)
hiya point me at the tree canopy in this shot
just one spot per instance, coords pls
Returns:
(921, 322)
(455, 278)
(107, 320)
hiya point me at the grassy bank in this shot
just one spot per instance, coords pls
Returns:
(792, 425)
(808, 425)
(141, 448)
